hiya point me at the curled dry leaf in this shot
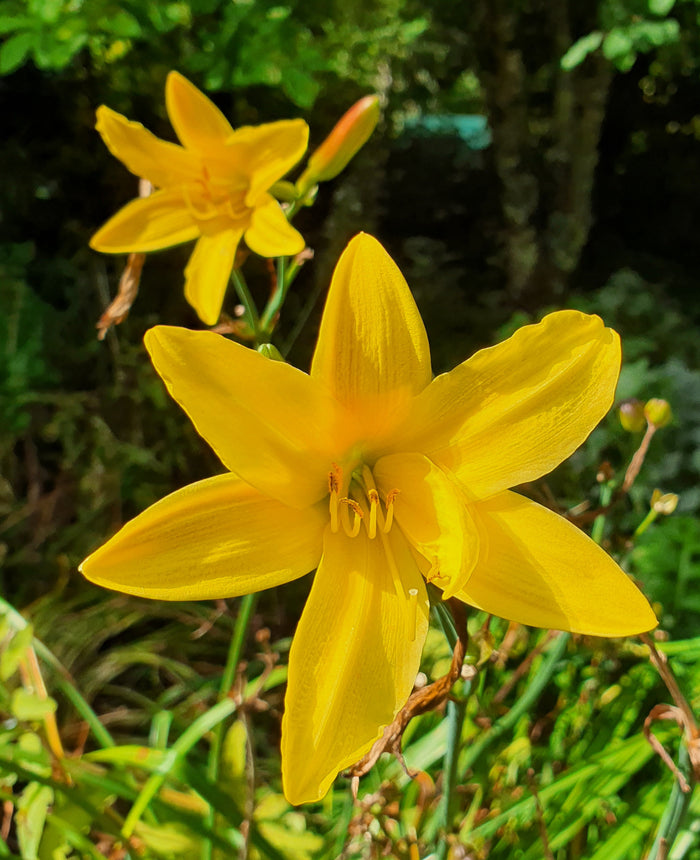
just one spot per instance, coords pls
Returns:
(120, 306)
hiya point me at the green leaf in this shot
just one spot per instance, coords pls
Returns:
(578, 52)
(8, 23)
(30, 706)
(169, 840)
(14, 51)
(121, 24)
(661, 7)
(14, 651)
(47, 11)
(301, 88)
(30, 819)
(617, 43)
(152, 760)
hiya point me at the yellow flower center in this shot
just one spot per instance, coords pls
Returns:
(359, 503)
(210, 197)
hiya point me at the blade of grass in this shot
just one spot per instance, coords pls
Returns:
(178, 751)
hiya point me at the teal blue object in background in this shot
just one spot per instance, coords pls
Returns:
(473, 129)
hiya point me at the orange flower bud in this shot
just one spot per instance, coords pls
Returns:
(658, 412)
(349, 134)
(631, 415)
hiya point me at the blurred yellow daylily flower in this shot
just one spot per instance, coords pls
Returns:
(381, 479)
(213, 188)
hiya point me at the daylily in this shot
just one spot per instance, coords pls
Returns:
(381, 478)
(214, 188)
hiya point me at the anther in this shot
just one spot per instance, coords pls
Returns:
(354, 530)
(373, 496)
(390, 496)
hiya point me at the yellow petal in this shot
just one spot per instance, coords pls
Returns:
(267, 421)
(197, 121)
(433, 515)
(150, 224)
(513, 412)
(372, 352)
(539, 569)
(143, 153)
(208, 271)
(272, 149)
(215, 538)
(353, 660)
(270, 234)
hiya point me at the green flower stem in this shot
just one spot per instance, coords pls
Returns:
(646, 522)
(269, 316)
(524, 703)
(606, 493)
(678, 803)
(246, 299)
(456, 712)
(302, 317)
(245, 612)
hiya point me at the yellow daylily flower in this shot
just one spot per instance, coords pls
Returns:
(214, 188)
(381, 478)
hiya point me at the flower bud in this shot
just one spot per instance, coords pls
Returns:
(349, 134)
(631, 414)
(269, 350)
(658, 412)
(664, 503)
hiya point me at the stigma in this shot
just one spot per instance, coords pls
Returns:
(356, 503)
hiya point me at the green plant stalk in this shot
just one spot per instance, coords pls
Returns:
(178, 751)
(246, 299)
(456, 711)
(267, 321)
(646, 522)
(677, 806)
(302, 317)
(245, 612)
(606, 493)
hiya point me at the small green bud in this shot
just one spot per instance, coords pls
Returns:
(631, 414)
(658, 412)
(269, 350)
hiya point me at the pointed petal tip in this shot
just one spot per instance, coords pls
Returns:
(175, 80)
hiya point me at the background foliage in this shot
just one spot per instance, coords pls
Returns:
(581, 187)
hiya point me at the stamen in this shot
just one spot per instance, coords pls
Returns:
(374, 506)
(354, 530)
(236, 211)
(333, 489)
(203, 213)
(412, 595)
(390, 496)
